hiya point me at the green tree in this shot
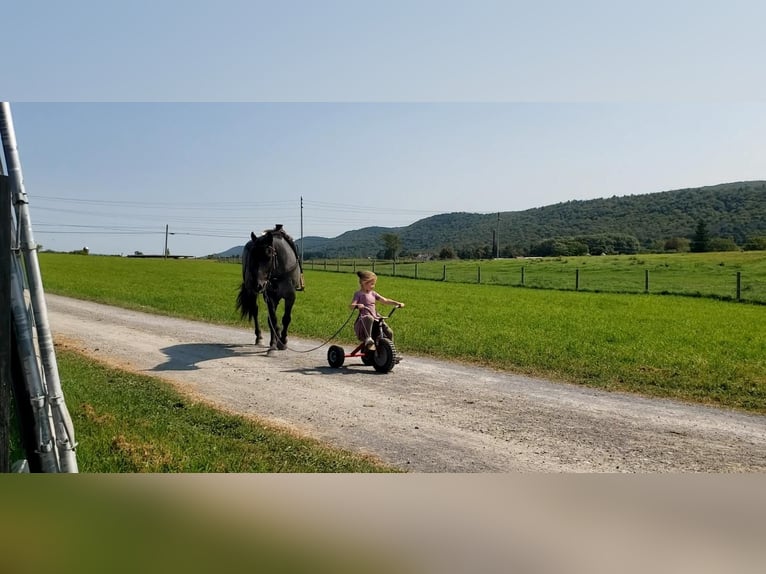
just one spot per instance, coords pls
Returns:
(392, 244)
(701, 239)
(447, 253)
(756, 244)
(722, 244)
(559, 247)
(677, 244)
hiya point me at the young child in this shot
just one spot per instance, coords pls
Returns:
(365, 300)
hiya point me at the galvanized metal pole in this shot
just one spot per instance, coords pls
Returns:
(5, 323)
(44, 435)
(63, 428)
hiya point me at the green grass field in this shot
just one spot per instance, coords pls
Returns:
(690, 348)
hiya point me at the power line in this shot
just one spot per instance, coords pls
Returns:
(206, 205)
(219, 219)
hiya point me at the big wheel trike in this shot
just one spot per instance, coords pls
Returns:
(382, 356)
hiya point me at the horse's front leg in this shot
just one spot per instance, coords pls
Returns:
(286, 319)
(274, 343)
(258, 335)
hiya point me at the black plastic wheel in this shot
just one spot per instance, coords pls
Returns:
(336, 356)
(385, 355)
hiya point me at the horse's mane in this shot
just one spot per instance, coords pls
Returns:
(259, 243)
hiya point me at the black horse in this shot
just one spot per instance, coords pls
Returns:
(270, 267)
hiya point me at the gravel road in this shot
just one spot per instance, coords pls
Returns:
(425, 415)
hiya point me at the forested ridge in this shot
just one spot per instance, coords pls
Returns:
(736, 211)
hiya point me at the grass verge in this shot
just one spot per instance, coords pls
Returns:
(133, 423)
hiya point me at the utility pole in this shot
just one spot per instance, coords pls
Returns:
(301, 229)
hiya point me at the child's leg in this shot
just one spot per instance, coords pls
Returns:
(363, 328)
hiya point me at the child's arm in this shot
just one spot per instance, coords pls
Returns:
(355, 304)
(387, 301)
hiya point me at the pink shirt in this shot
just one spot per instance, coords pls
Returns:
(368, 300)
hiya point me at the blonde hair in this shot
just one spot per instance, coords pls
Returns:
(366, 275)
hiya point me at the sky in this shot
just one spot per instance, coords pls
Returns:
(217, 119)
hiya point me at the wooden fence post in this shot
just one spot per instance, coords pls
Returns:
(478, 272)
(416, 270)
(739, 285)
(444, 273)
(577, 279)
(522, 276)
(646, 281)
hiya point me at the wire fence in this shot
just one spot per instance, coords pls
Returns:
(717, 281)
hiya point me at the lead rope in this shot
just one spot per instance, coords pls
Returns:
(276, 331)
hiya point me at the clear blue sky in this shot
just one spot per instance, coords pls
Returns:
(216, 118)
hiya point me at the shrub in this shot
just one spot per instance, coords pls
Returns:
(722, 244)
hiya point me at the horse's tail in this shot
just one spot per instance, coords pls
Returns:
(247, 302)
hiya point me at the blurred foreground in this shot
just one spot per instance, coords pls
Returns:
(393, 523)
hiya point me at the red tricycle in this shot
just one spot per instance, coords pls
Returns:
(382, 356)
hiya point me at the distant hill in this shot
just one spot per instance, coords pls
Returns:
(235, 251)
(733, 210)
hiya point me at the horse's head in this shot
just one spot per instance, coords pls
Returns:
(259, 263)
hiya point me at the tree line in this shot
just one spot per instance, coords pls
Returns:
(734, 217)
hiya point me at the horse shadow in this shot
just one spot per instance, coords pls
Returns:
(187, 356)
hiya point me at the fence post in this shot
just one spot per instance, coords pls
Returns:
(416, 270)
(522, 276)
(325, 264)
(577, 279)
(739, 285)
(646, 281)
(373, 266)
(478, 272)
(444, 273)
(393, 268)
